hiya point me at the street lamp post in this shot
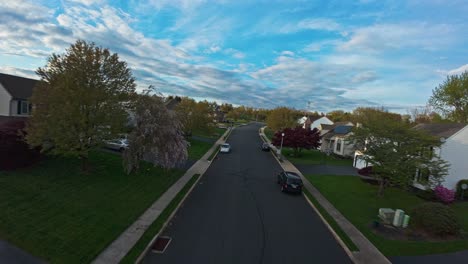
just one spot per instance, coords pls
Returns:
(281, 147)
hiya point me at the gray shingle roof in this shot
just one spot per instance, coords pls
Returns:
(18, 87)
(440, 130)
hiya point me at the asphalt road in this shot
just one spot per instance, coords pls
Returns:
(237, 214)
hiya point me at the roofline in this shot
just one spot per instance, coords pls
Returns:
(456, 133)
(3, 86)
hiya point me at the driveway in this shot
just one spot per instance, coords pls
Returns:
(13, 255)
(237, 214)
(327, 169)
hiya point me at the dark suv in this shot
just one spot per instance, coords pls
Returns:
(290, 182)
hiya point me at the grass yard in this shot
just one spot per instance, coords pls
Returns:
(358, 202)
(314, 157)
(269, 133)
(60, 215)
(217, 132)
(197, 148)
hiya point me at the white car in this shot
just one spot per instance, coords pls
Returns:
(225, 148)
(120, 144)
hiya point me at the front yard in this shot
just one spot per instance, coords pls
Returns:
(60, 215)
(315, 157)
(358, 202)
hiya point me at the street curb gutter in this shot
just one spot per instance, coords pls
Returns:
(329, 227)
(367, 253)
(224, 137)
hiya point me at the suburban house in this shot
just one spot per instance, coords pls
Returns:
(454, 150)
(336, 140)
(15, 92)
(314, 122)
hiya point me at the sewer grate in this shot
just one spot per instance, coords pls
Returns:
(160, 245)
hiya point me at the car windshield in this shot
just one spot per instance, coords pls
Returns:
(294, 181)
(225, 145)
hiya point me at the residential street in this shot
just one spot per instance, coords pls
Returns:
(237, 214)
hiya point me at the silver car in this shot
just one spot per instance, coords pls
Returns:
(225, 148)
(120, 144)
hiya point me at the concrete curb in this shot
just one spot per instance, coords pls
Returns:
(120, 247)
(176, 209)
(368, 252)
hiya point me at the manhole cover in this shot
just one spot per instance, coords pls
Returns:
(161, 244)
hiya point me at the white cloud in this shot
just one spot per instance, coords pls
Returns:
(382, 37)
(287, 53)
(87, 2)
(458, 70)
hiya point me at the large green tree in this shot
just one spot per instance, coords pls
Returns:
(282, 117)
(196, 117)
(451, 98)
(395, 151)
(80, 101)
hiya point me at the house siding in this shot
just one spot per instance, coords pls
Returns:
(14, 108)
(5, 99)
(455, 151)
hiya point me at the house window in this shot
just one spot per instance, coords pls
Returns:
(338, 145)
(422, 175)
(24, 108)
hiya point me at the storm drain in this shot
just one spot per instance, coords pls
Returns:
(161, 244)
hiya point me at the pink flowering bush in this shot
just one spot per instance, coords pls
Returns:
(444, 195)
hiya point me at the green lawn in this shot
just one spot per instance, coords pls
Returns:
(315, 157)
(358, 202)
(60, 215)
(198, 148)
(215, 134)
(269, 133)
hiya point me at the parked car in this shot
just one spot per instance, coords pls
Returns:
(266, 147)
(290, 182)
(225, 148)
(120, 144)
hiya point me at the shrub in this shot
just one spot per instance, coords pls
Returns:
(444, 195)
(435, 219)
(14, 151)
(427, 195)
(459, 190)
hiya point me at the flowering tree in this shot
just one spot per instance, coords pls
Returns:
(298, 138)
(157, 137)
(445, 195)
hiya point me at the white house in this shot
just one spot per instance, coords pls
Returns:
(454, 150)
(314, 122)
(337, 141)
(14, 94)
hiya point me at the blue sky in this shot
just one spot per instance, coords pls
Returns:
(316, 55)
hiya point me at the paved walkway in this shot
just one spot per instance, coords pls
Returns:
(13, 255)
(117, 250)
(367, 253)
(327, 169)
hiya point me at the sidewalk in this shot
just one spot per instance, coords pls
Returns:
(118, 249)
(367, 253)
(11, 254)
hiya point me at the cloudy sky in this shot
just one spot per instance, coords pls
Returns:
(321, 55)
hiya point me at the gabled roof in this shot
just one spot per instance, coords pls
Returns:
(18, 87)
(342, 130)
(440, 130)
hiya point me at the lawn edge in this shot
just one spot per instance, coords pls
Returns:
(309, 197)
